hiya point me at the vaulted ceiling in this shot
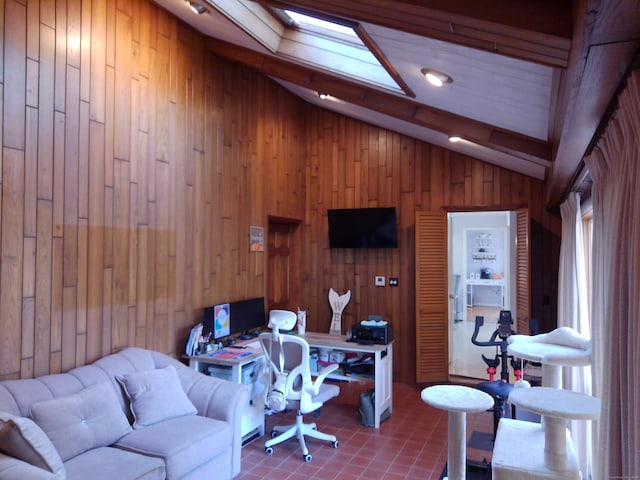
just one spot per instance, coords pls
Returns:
(532, 79)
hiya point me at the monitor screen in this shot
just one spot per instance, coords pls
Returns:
(247, 315)
(363, 228)
(228, 319)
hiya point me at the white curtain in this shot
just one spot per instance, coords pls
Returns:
(573, 312)
(615, 169)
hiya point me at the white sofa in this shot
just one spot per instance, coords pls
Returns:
(136, 414)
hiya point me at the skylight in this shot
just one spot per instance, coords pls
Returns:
(306, 20)
(332, 46)
(337, 47)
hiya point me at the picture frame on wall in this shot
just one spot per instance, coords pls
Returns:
(256, 239)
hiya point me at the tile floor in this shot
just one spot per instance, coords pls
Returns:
(411, 444)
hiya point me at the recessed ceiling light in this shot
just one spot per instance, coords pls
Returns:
(455, 138)
(436, 78)
(197, 8)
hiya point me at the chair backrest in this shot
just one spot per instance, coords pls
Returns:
(282, 320)
(296, 364)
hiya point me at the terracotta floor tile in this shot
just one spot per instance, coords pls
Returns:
(411, 444)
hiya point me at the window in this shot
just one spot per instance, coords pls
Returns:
(587, 234)
(334, 45)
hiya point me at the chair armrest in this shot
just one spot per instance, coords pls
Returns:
(322, 374)
(12, 468)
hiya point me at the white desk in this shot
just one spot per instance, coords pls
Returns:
(485, 283)
(238, 370)
(383, 366)
(253, 420)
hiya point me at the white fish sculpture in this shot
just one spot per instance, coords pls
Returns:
(337, 302)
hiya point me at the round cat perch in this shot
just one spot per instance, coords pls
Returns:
(562, 347)
(531, 451)
(457, 400)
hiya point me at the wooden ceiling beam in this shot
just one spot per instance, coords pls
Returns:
(389, 104)
(533, 30)
(606, 38)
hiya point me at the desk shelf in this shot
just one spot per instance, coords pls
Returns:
(484, 256)
(382, 367)
(356, 378)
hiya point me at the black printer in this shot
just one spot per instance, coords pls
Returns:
(372, 334)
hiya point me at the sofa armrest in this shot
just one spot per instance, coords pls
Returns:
(222, 400)
(12, 468)
(213, 398)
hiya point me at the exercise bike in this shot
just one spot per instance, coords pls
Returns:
(498, 389)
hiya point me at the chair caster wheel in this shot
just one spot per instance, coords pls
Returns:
(334, 444)
(307, 458)
(274, 434)
(268, 450)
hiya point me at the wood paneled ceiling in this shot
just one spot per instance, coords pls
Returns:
(532, 79)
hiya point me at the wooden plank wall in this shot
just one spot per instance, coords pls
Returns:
(134, 161)
(132, 168)
(353, 164)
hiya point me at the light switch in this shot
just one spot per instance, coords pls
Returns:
(379, 281)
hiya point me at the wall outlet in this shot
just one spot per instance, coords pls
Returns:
(393, 282)
(379, 281)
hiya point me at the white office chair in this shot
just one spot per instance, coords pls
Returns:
(301, 392)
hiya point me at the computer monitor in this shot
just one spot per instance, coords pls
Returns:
(243, 317)
(247, 316)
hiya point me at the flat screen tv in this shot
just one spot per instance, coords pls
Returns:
(363, 227)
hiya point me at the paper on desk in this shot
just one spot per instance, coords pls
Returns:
(229, 354)
(373, 323)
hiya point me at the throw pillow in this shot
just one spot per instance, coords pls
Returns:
(21, 438)
(156, 395)
(85, 420)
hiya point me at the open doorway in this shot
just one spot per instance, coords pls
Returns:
(482, 267)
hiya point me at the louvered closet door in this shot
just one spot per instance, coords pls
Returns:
(523, 285)
(432, 353)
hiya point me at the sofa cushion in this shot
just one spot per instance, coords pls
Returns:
(20, 437)
(155, 396)
(184, 443)
(88, 419)
(13, 469)
(109, 463)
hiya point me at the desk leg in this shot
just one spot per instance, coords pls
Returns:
(383, 383)
(456, 454)
(378, 387)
